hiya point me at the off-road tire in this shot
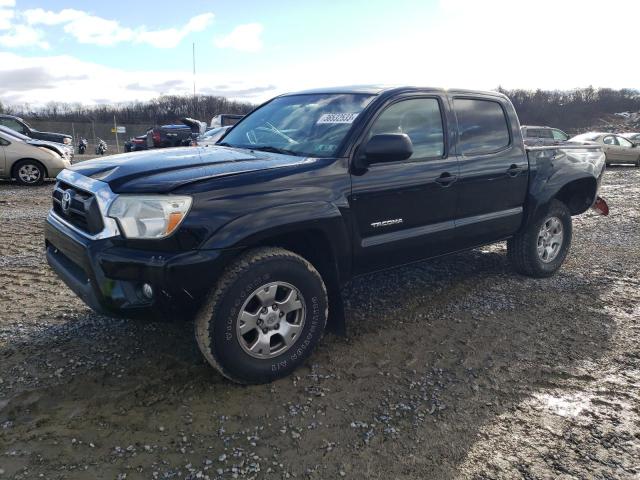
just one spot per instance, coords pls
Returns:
(522, 248)
(215, 323)
(33, 164)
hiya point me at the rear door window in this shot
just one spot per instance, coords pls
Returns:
(482, 126)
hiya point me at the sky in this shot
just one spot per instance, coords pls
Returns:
(120, 51)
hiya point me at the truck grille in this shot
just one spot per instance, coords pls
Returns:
(81, 210)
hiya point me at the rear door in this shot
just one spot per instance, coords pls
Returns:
(404, 210)
(493, 170)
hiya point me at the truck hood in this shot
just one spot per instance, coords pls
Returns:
(163, 170)
(50, 136)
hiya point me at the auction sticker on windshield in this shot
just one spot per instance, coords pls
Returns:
(337, 118)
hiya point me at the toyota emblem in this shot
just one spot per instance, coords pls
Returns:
(66, 201)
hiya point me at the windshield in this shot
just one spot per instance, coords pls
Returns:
(307, 125)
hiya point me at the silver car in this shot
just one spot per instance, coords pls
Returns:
(617, 149)
(28, 164)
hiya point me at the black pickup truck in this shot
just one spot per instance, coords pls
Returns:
(20, 126)
(256, 236)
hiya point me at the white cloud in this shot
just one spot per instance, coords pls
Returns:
(171, 37)
(467, 44)
(23, 36)
(38, 16)
(7, 3)
(246, 38)
(6, 16)
(39, 80)
(91, 29)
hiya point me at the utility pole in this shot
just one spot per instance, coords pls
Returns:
(193, 51)
(194, 69)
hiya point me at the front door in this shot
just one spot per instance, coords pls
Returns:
(626, 150)
(404, 210)
(3, 167)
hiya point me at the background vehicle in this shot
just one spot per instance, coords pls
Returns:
(136, 144)
(259, 233)
(20, 126)
(633, 136)
(28, 164)
(101, 147)
(617, 148)
(211, 137)
(534, 135)
(225, 120)
(178, 135)
(65, 151)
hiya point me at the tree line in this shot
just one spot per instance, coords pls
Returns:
(571, 109)
(566, 109)
(161, 110)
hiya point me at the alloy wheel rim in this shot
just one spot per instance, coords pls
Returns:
(550, 238)
(29, 173)
(271, 320)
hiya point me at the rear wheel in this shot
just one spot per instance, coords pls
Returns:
(29, 172)
(264, 317)
(541, 248)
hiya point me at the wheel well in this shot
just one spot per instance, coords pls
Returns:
(14, 168)
(315, 247)
(578, 195)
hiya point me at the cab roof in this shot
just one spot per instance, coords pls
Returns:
(389, 89)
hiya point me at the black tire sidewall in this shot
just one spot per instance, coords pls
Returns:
(21, 164)
(558, 210)
(223, 336)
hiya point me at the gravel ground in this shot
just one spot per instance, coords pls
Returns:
(456, 368)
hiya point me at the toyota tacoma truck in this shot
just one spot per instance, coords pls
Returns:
(255, 236)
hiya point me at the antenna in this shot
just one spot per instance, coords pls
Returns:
(194, 69)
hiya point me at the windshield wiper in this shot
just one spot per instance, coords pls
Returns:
(225, 144)
(269, 148)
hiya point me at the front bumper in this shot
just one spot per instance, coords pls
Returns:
(109, 277)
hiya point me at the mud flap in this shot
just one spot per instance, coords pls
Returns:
(600, 207)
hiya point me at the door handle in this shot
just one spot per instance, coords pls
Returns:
(446, 179)
(514, 170)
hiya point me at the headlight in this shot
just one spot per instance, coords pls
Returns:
(149, 216)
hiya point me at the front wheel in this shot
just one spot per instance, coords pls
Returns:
(29, 172)
(264, 317)
(540, 249)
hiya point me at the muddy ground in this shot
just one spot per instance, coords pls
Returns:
(457, 368)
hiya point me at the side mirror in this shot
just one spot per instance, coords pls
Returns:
(387, 147)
